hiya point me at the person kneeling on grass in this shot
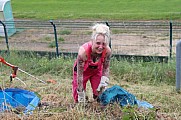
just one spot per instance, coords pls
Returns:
(92, 63)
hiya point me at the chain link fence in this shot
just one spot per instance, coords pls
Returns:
(133, 38)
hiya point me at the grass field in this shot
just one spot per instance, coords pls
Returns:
(97, 9)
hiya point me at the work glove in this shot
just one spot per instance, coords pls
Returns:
(103, 84)
(81, 96)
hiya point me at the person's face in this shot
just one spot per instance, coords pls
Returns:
(99, 44)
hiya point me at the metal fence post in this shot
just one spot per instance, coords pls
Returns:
(56, 41)
(110, 38)
(178, 65)
(170, 39)
(6, 36)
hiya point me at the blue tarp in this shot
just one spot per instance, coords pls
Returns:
(121, 96)
(15, 97)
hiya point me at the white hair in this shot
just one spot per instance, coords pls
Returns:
(100, 28)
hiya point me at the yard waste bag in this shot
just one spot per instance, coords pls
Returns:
(15, 98)
(121, 96)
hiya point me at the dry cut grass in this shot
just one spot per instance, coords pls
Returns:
(57, 102)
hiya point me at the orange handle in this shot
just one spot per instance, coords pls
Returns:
(10, 65)
(6, 63)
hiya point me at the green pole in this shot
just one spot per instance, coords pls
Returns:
(110, 45)
(6, 36)
(170, 39)
(56, 41)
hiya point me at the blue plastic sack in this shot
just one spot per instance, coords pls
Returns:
(121, 96)
(144, 104)
(16, 98)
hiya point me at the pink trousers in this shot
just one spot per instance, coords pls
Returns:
(93, 75)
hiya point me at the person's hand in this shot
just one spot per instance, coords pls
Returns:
(103, 84)
(81, 96)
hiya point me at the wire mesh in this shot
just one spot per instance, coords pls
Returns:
(149, 38)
